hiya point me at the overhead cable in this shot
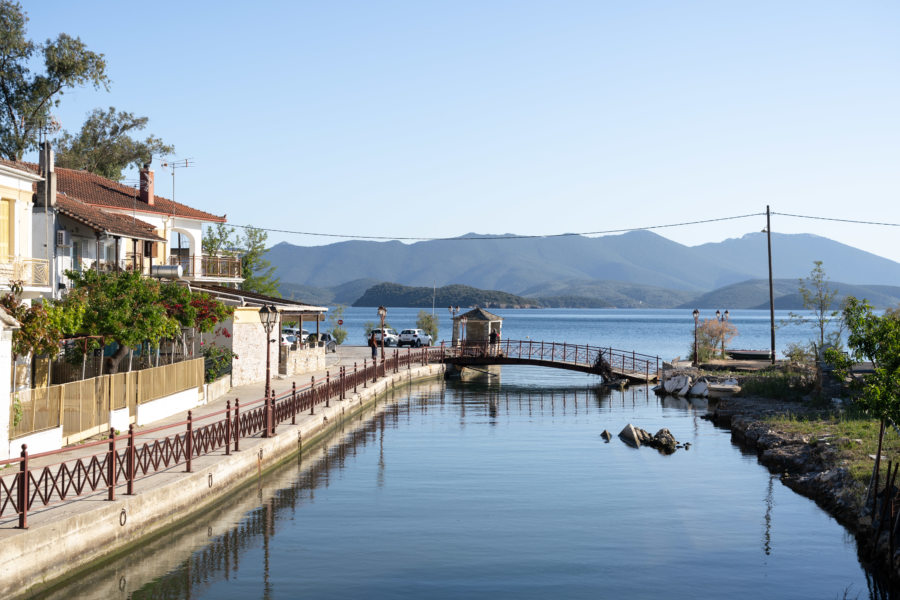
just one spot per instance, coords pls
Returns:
(499, 237)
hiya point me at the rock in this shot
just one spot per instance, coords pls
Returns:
(664, 441)
(630, 436)
(606, 435)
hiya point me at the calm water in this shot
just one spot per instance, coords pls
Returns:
(508, 490)
(658, 332)
(455, 489)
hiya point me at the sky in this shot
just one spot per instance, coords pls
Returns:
(436, 119)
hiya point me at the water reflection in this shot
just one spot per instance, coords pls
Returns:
(236, 541)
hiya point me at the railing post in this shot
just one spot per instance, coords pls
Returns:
(564, 352)
(189, 445)
(129, 461)
(237, 425)
(365, 374)
(374, 370)
(266, 411)
(632, 361)
(227, 427)
(327, 389)
(274, 420)
(23, 489)
(408, 359)
(111, 466)
(355, 377)
(312, 395)
(293, 403)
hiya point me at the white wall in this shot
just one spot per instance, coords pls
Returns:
(5, 387)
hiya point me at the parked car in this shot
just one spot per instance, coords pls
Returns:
(300, 334)
(414, 337)
(390, 336)
(288, 340)
(329, 341)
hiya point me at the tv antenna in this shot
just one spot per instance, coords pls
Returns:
(183, 163)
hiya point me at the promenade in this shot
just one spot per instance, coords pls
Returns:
(64, 537)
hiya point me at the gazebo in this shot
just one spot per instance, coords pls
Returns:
(476, 326)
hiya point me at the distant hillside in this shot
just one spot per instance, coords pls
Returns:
(393, 294)
(517, 265)
(755, 294)
(603, 294)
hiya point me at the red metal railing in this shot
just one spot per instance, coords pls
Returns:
(123, 459)
(622, 361)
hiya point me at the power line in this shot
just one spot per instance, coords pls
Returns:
(837, 219)
(500, 237)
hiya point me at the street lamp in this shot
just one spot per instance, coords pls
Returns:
(453, 312)
(268, 315)
(722, 318)
(696, 322)
(382, 313)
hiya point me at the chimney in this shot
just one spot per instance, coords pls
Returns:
(47, 188)
(147, 185)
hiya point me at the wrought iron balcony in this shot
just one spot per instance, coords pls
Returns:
(223, 267)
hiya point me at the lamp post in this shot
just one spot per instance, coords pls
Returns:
(462, 332)
(696, 322)
(722, 319)
(453, 312)
(268, 315)
(382, 313)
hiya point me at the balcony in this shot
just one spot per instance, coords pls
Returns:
(33, 272)
(208, 267)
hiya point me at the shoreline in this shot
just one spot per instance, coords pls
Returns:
(808, 466)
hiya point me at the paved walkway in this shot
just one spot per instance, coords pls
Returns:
(345, 356)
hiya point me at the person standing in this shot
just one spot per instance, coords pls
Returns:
(373, 345)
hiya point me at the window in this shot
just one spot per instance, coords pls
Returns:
(7, 229)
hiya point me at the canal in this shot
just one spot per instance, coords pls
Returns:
(506, 489)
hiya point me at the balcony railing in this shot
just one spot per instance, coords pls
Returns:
(30, 271)
(210, 266)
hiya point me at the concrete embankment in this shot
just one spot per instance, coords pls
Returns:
(67, 538)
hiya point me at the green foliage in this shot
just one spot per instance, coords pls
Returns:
(258, 273)
(104, 145)
(218, 359)
(122, 306)
(41, 325)
(192, 309)
(17, 410)
(820, 298)
(782, 383)
(220, 240)
(337, 331)
(312, 338)
(801, 353)
(429, 323)
(877, 339)
(27, 98)
(394, 294)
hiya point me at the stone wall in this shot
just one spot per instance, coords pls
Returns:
(248, 341)
(308, 358)
(6, 377)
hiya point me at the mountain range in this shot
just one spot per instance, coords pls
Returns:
(638, 268)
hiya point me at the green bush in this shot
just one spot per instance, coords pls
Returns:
(218, 362)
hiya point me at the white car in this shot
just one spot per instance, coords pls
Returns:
(414, 337)
(390, 336)
(300, 334)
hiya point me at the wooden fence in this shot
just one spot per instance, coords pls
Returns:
(82, 407)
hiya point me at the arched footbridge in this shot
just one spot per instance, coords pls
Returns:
(609, 363)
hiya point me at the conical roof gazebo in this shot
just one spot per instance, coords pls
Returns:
(476, 326)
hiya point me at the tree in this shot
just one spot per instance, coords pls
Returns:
(877, 339)
(819, 297)
(104, 145)
(26, 98)
(258, 273)
(121, 307)
(337, 331)
(429, 323)
(220, 240)
(42, 324)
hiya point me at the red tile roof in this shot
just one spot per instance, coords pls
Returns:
(106, 222)
(100, 191)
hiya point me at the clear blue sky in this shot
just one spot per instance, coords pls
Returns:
(440, 118)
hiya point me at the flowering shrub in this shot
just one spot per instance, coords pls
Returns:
(218, 362)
